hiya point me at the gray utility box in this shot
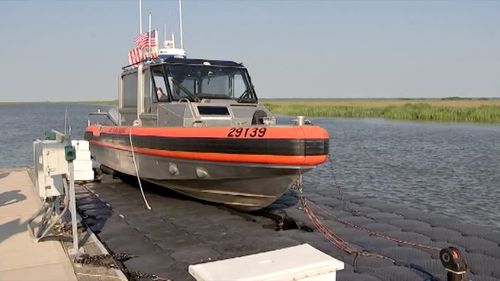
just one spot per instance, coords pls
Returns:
(49, 167)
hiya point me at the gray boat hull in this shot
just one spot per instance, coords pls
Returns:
(246, 187)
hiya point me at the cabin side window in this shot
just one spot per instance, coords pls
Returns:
(160, 93)
(130, 90)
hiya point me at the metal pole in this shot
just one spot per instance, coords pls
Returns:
(149, 36)
(180, 24)
(72, 206)
(65, 120)
(140, 16)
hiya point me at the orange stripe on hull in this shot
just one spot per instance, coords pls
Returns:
(223, 157)
(286, 132)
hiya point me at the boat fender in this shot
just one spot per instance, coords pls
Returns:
(172, 169)
(201, 173)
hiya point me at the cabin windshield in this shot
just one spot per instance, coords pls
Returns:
(196, 82)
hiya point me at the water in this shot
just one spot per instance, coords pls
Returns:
(452, 169)
(21, 124)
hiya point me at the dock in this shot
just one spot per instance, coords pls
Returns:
(20, 257)
(179, 231)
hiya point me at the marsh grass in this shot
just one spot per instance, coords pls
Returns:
(484, 111)
(452, 109)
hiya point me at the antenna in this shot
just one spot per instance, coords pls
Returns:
(180, 23)
(164, 32)
(149, 35)
(140, 16)
(65, 120)
(67, 126)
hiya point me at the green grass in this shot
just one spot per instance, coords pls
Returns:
(446, 110)
(452, 109)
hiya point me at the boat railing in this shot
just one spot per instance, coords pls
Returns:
(107, 114)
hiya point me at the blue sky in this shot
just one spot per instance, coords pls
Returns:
(73, 50)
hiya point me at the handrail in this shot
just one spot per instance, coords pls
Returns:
(102, 113)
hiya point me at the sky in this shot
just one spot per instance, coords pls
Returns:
(74, 50)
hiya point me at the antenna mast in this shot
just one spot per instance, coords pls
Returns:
(180, 24)
(149, 36)
(164, 32)
(140, 16)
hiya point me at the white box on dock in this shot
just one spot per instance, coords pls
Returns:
(82, 165)
(80, 144)
(83, 175)
(302, 262)
(82, 154)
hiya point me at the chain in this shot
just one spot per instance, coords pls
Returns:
(106, 260)
(110, 261)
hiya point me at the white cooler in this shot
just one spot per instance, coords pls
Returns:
(82, 165)
(302, 262)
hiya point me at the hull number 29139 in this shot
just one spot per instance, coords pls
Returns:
(246, 132)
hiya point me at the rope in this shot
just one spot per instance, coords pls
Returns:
(137, 170)
(336, 240)
(309, 208)
(370, 232)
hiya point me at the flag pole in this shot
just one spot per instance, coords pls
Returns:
(140, 16)
(180, 24)
(149, 37)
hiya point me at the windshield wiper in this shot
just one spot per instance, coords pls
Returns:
(185, 90)
(245, 95)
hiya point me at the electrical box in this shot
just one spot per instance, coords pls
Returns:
(49, 167)
(303, 262)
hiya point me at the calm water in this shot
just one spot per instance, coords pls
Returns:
(21, 124)
(453, 169)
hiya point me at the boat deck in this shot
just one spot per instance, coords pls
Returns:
(179, 231)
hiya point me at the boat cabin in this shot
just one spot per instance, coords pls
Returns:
(181, 92)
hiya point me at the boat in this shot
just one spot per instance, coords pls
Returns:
(196, 126)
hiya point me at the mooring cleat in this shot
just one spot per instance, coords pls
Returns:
(454, 263)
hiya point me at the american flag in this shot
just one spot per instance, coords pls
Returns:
(153, 39)
(135, 56)
(142, 40)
